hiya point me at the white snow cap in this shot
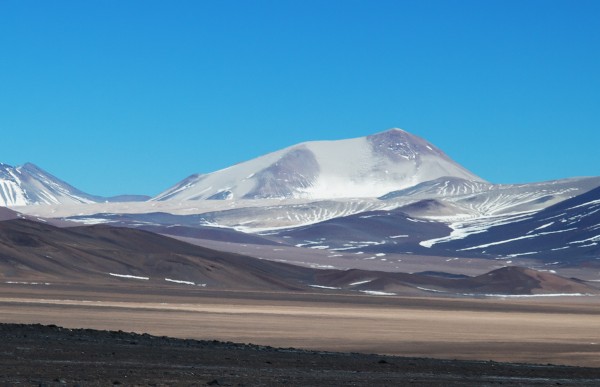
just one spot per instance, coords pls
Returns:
(368, 166)
(28, 184)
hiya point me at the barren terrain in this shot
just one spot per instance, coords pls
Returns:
(542, 331)
(114, 279)
(55, 356)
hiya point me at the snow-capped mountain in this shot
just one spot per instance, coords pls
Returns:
(360, 167)
(391, 200)
(28, 184)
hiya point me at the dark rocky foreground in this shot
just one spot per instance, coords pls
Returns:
(37, 355)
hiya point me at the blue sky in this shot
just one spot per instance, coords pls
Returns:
(133, 96)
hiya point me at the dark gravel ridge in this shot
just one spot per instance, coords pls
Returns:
(38, 355)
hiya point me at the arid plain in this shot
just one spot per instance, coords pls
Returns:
(535, 330)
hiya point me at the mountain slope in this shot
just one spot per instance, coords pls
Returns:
(373, 231)
(34, 252)
(361, 167)
(7, 214)
(565, 233)
(29, 184)
(510, 280)
(479, 198)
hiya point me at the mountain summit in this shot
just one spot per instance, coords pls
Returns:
(360, 167)
(28, 184)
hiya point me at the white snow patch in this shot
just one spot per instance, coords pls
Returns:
(323, 287)
(592, 239)
(544, 226)
(318, 266)
(533, 295)
(519, 254)
(586, 204)
(463, 229)
(498, 243)
(589, 245)
(360, 282)
(180, 281)
(430, 290)
(129, 276)
(90, 221)
(377, 293)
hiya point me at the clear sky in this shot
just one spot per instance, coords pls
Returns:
(132, 96)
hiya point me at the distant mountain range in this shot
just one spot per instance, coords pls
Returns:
(376, 202)
(388, 165)
(361, 167)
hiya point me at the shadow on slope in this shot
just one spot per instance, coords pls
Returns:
(35, 251)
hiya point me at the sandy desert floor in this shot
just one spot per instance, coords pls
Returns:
(541, 330)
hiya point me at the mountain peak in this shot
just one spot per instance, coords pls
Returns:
(32, 168)
(368, 166)
(30, 165)
(399, 135)
(28, 184)
(393, 133)
(397, 144)
(395, 130)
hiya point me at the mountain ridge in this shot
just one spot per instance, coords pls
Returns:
(385, 165)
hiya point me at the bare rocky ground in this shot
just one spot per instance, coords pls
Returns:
(38, 355)
(109, 278)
